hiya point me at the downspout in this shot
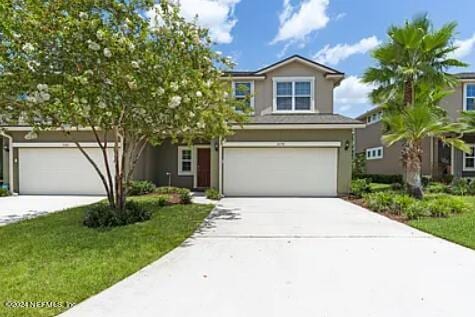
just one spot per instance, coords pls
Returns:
(10, 161)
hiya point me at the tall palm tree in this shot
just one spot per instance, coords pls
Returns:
(415, 53)
(413, 124)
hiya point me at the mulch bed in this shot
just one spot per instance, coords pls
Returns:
(360, 202)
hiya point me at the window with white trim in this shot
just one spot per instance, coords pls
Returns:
(293, 94)
(185, 160)
(244, 90)
(374, 153)
(469, 159)
(469, 97)
(374, 117)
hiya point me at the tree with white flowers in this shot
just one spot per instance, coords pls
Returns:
(103, 65)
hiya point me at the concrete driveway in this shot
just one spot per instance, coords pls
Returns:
(16, 208)
(298, 257)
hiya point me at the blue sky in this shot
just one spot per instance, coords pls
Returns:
(339, 33)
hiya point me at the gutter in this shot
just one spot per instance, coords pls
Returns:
(10, 161)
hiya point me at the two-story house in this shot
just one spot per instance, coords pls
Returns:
(294, 145)
(438, 159)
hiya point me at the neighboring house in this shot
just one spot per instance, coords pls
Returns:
(438, 159)
(294, 145)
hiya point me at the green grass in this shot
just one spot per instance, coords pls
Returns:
(459, 229)
(377, 187)
(56, 259)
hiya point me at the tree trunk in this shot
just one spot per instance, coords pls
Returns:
(413, 170)
(408, 102)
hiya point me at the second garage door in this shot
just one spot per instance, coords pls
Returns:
(59, 171)
(280, 171)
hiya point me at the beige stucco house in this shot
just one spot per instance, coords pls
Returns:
(294, 145)
(437, 159)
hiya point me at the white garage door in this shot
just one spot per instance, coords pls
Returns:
(280, 171)
(59, 171)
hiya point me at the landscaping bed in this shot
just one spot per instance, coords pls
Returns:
(55, 258)
(447, 210)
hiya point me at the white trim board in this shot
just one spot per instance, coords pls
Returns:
(281, 144)
(56, 145)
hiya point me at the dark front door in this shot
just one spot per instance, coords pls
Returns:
(203, 172)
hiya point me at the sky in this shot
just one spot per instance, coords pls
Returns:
(337, 33)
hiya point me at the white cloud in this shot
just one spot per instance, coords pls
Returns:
(465, 47)
(334, 55)
(297, 23)
(352, 91)
(340, 16)
(216, 15)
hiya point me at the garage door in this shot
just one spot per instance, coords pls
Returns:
(59, 171)
(280, 171)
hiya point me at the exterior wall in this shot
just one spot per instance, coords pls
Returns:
(263, 89)
(453, 103)
(343, 136)
(390, 164)
(458, 159)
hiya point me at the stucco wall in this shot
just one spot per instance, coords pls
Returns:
(453, 103)
(344, 156)
(323, 90)
(390, 164)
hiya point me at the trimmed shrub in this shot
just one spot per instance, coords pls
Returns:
(185, 195)
(437, 188)
(4, 192)
(213, 194)
(459, 186)
(444, 205)
(359, 187)
(102, 216)
(137, 188)
(400, 203)
(417, 210)
(167, 190)
(383, 179)
(380, 201)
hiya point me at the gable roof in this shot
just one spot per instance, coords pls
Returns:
(328, 70)
(467, 75)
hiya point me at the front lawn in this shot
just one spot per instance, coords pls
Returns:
(56, 259)
(458, 228)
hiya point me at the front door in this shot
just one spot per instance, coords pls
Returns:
(203, 172)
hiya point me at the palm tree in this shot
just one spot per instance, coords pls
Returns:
(415, 53)
(468, 118)
(413, 124)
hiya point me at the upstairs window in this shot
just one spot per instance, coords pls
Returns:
(293, 94)
(244, 90)
(374, 117)
(469, 97)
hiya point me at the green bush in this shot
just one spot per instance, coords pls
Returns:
(400, 203)
(380, 201)
(213, 194)
(4, 192)
(379, 178)
(167, 190)
(102, 216)
(437, 188)
(445, 205)
(459, 186)
(360, 186)
(417, 210)
(185, 195)
(137, 188)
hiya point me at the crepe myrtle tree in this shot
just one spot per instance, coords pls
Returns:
(104, 66)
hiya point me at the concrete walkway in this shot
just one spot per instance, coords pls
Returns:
(16, 208)
(298, 257)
